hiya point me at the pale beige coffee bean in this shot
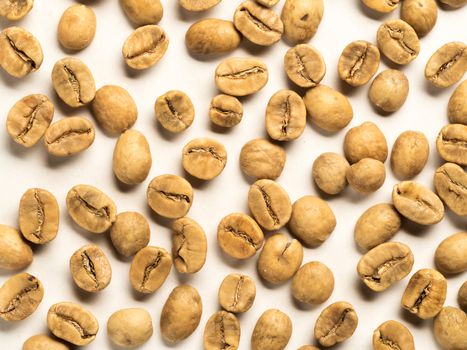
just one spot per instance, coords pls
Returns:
(301, 19)
(132, 159)
(267, 3)
(90, 208)
(114, 109)
(241, 76)
(43, 342)
(175, 111)
(149, 269)
(261, 159)
(15, 254)
(145, 47)
(376, 225)
(285, 116)
(365, 141)
(366, 176)
(447, 65)
(280, 259)
(307, 347)
(21, 52)
(14, 10)
(392, 335)
(212, 36)
(39, 216)
(204, 158)
(239, 236)
(77, 27)
(398, 41)
(420, 14)
(225, 111)
(385, 265)
(189, 245)
(382, 6)
(335, 324)
(130, 233)
(272, 331)
(237, 293)
(130, 327)
(258, 24)
(73, 323)
(409, 154)
(452, 143)
(304, 65)
(181, 314)
(454, 3)
(450, 257)
(270, 204)
(29, 118)
(462, 296)
(358, 63)
(20, 296)
(450, 328)
(329, 171)
(328, 108)
(198, 5)
(389, 90)
(312, 220)
(142, 12)
(457, 106)
(222, 331)
(69, 136)
(313, 283)
(90, 268)
(451, 186)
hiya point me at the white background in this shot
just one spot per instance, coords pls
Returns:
(344, 21)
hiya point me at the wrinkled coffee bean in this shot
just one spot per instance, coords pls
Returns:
(222, 331)
(450, 328)
(447, 65)
(452, 143)
(204, 158)
(175, 111)
(392, 335)
(189, 245)
(149, 269)
(451, 185)
(304, 65)
(14, 10)
(212, 36)
(358, 63)
(237, 293)
(225, 111)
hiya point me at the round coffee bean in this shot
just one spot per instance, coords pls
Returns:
(366, 176)
(222, 331)
(313, 283)
(392, 334)
(450, 328)
(130, 327)
(149, 269)
(301, 19)
(212, 36)
(15, 254)
(365, 141)
(398, 41)
(358, 63)
(77, 27)
(189, 245)
(389, 90)
(225, 111)
(452, 143)
(175, 111)
(382, 6)
(451, 186)
(420, 14)
(130, 233)
(204, 158)
(272, 331)
(14, 10)
(409, 154)
(462, 296)
(237, 293)
(335, 324)
(450, 257)
(304, 65)
(261, 159)
(198, 5)
(447, 65)
(329, 171)
(42, 342)
(142, 12)
(457, 107)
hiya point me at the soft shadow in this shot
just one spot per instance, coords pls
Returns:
(82, 295)
(94, 238)
(184, 278)
(390, 64)
(160, 220)
(141, 296)
(366, 293)
(62, 107)
(166, 134)
(445, 7)
(16, 149)
(346, 89)
(411, 318)
(54, 162)
(255, 50)
(123, 187)
(292, 86)
(356, 197)
(134, 73)
(6, 327)
(195, 182)
(207, 57)
(415, 229)
(11, 81)
(190, 16)
(303, 306)
(371, 13)
(433, 90)
(234, 263)
(220, 130)
(460, 222)
(320, 131)
(379, 111)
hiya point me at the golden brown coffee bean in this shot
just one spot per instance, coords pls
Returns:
(204, 158)
(382, 6)
(420, 14)
(15, 254)
(304, 65)
(358, 63)
(457, 107)
(130, 327)
(189, 245)
(142, 12)
(272, 331)
(77, 27)
(198, 5)
(389, 90)
(365, 141)
(237, 293)
(313, 283)
(452, 143)
(450, 257)
(301, 19)
(451, 185)
(450, 328)
(212, 36)
(366, 176)
(225, 111)
(43, 342)
(447, 65)
(329, 171)
(335, 324)
(175, 111)
(392, 334)
(130, 233)
(222, 331)
(261, 159)
(409, 154)
(14, 10)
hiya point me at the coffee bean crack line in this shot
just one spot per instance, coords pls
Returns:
(74, 82)
(398, 35)
(336, 326)
(173, 110)
(424, 294)
(210, 150)
(176, 197)
(392, 3)
(358, 63)
(388, 342)
(147, 51)
(257, 22)
(89, 267)
(40, 214)
(82, 332)
(224, 344)
(302, 71)
(69, 133)
(226, 112)
(242, 74)
(101, 212)
(287, 115)
(21, 54)
(15, 302)
(182, 244)
(284, 251)
(458, 142)
(268, 203)
(241, 234)
(150, 267)
(31, 119)
(238, 288)
(383, 268)
(453, 182)
(447, 65)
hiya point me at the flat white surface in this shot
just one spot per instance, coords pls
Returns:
(344, 21)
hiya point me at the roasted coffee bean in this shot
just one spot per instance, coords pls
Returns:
(451, 185)
(130, 327)
(225, 111)
(189, 245)
(420, 14)
(389, 90)
(304, 65)
(336, 323)
(450, 328)
(301, 19)
(457, 107)
(366, 176)
(15, 254)
(409, 154)
(204, 158)
(14, 10)
(237, 293)
(447, 65)
(272, 331)
(329, 171)
(450, 255)
(365, 141)
(43, 342)
(452, 143)
(222, 332)
(261, 159)
(382, 6)
(130, 233)
(313, 283)
(175, 111)
(358, 62)
(142, 12)
(212, 36)
(198, 5)
(392, 335)
(77, 27)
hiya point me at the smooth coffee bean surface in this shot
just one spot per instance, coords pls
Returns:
(457, 107)
(43, 342)
(389, 90)
(222, 331)
(212, 36)
(225, 111)
(450, 328)
(130, 327)
(149, 269)
(452, 143)
(142, 12)
(358, 63)
(204, 158)
(455, 4)
(189, 245)
(272, 331)
(175, 111)
(462, 296)
(451, 186)
(237, 293)
(15, 254)
(198, 5)
(130, 233)
(392, 335)
(329, 172)
(261, 159)
(307, 347)
(398, 41)
(301, 19)
(420, 14)
(313, 283)
(77, 27)
(365, 141)
(447, 65)
(382, 6)
(366, 176)
(409, 154)
(304, 65)
(267, 3)
(14, 10)
(450, 257)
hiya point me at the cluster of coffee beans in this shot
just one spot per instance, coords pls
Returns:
(240, 236)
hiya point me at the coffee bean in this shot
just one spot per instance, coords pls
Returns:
(175, 111)
(237, 293)
(366, 176)
(198, 5)
(398, 41)
(450, 257)
(130, 233)
(329, 171)
(225, 111)
(450, 328)
(41, 342)
(451, 185)
(142, 12)
(15, 254)
(189, 245)
(452, 143)
(261, 159)
(313, 283)
(130, 327)
(304, 65)
(358, 62)
(389, 90)
(457, 107)
(392, 335)
(382, 6)
(267, 3)
(212, 36)
(420, 14)
(365, 141)
(77, 27)
(307, 347)
(301, 19)
(222, 331)
(409, 154)
(149, 269)
(272, 331)
(462, 296)
(335, 324)
(455, 4)
(14, 10)
(204, 158)
(447, 65)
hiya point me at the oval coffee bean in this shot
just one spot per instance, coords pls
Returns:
(130, 233)
(261, 159)
(189, 245)
(91, 208)
(20, 296)
(267, 3)
(366, 176)
(409, 154)
(420, 14)
(389, 90)
(447, 65)
(304, 65)
(452, 143)
(149, 269)
(41, 342)
(142, 12)
(450, 328)
(73, 323)
(130, 327)
(181, 314)
(222, 331)
(392, 335)
(451, 186)
(237, 293)
(365, 141)
(313, 283)
(39, 216)
(457, 107)
(301, 19)
(358, 63)
(198, 5)
(77, 27)
(450, 255)
(175, 111)
(335, 324)
(15, 254)
(329, 171)
(462, 296)
(14, 10)
(454, 3)
(29, 118)
(382, 6)
(225, 111)
(212, 36)
(272, 331)
(385, 265)
(204, 158)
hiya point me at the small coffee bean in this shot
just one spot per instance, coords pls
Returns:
(198, 5)
(237, 293)
(304, 65)
(21, 52)
(181, 314)
(365, 141)
(222, 331)
(14, 10)
(175, 111)
(142, 12)
(335, 324)
(20, 296)
(457, 107)
(409, 154)
(358, 63)
(239, 236)
(376, 225)
(451, 185)
(301, 19)
(447, 65)
(29, 118)
(69, 136)
(149, 269)
(73, 323)
(328, 108)
(392, 335)
(130, 233)
(212, 36)
(450, 257)
(241, 76)
(77, 27)
(425, 293)
(189, 245)
(329, 171)
(90, 208)
(366, 176)
(398, 41)
(204, 158)
(272, 331)
(450, 328)
(130, 327)
(15, 254)
(39, 216)
(280, 259)
(420, 14)
(313, 283)
(114, 109)
(225, 111)
(389, 90)
(382, 6)
(90, 268)
(454, 3)
(312, 220)
(462, 296)
(43, 342)
(452, 143)
(385, 265)
(285, 116)
(261, 159)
